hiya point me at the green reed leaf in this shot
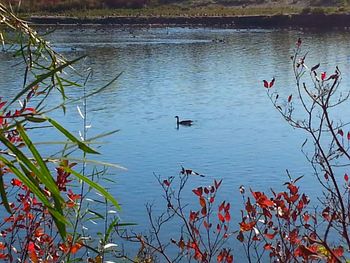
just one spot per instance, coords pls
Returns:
(96, 186)
(71, 137)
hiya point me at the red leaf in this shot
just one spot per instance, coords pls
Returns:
(269, 84)
(212, 189)
(323, 75)
(340, 132)
(247, 226)
(249, 207)
(227, 217)
(73, 197)
(267, 246)
(290, 98)
(305, 252)
(193, 216)
(266, 84)
(346, 177)
(2, 104)
(267, 213)
(220, 258)
(326, 176)
(181, 243)
(75, 248)
(349, 136)
(256, 238)
(338, 251)
(240, 236)
(32, 253)
(198, 191)
(204, 211)
(221, 217)
(300, 205)
(30, 109)
(202, 201)
(305, 199)
(16, 182)
(292, 188)
(270, 236)
(206, 225)
(17, 113)
(325, 214)
(227, 207)
(222, 206)
(266, 203)
(166, 183)
(293, 199)
(293, 237)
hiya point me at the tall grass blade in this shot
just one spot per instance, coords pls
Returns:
(46, 177)
(4, 195)
(42, 77)
(96, 186)
(71, 137)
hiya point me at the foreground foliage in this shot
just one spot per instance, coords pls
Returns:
(46, 214)
(284, 226)
(44, 194)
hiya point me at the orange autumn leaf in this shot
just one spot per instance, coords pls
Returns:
(247, 226)
(306, 252)
(265, 202)
(267, 246)
(204, 211)
(338, 251)
(70, 204)
(75, 248)
(202, 201)
(181, 243)
(32, 253)
(270, 236)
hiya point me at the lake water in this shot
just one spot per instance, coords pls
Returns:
(237, 136)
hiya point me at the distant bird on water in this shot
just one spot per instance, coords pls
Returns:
(183, 122)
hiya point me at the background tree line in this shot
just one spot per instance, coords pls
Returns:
(57, 5)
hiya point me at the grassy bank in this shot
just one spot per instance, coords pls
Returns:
(177, 11)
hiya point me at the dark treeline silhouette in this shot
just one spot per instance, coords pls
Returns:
(77, 4)
(61, 5)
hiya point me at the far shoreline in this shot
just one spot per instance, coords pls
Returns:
(321, 21)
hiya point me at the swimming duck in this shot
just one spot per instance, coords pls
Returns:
(184, 122)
